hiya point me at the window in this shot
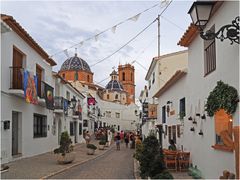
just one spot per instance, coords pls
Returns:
(63, 76)
(117, 115)
(149, 84)
(107, 96)
(116, 96)
(164, 114)
(17, 68)
(153, 78)
(209, 55)
(39, 125)
(76, 76)
(146, 93)
(182, 107)
(123, 76)
(104, 124)
(108, 114)
(223, 129)
(80, 129)
(178, 131)
(85, 123)
(131, 76)
(71, 129)
(118, 128)
(174, 134)
(88, 78)
(169, 133)
(68, 95)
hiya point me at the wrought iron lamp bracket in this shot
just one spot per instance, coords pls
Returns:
(229, 31)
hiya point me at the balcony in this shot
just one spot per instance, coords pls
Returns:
(16, 81)
(58, 104)
(75, 114)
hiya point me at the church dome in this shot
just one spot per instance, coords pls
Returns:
(114, 85)
(75, 63)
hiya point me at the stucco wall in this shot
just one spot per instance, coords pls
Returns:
(210, 161)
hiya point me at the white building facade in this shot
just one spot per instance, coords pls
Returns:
(205, 68)
(26, 129)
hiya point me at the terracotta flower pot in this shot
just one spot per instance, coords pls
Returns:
(68, 158)
(101, 147)
(90, 151)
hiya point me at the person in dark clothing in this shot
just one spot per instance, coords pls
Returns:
(126, 139)
(172, 145)
(118, 141)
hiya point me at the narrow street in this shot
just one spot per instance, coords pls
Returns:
(112, 165)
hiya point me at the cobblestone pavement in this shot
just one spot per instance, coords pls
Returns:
(112, 165)
(42, 165)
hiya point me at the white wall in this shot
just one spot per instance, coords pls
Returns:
(210, 161)
(174, 94)
(29, 146)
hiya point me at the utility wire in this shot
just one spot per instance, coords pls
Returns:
(107, 29)
(124, 44)
(171, 22)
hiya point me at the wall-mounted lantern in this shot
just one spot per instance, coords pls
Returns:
(200, 13)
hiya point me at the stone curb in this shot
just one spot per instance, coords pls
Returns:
(136, 169)
(76, 164)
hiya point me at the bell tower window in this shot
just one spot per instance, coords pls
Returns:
(123, 76)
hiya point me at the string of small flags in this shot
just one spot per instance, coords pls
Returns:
(113, 29)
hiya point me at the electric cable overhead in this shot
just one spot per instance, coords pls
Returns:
(112, 28)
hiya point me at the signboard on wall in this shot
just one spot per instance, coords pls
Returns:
(91, 101)
(152, 111)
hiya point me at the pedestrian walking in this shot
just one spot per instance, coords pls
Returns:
(118, 140)
(122, 136)
(126, 140)
(109, 137)
(87, 137)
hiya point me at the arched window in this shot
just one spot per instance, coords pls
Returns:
(123, 76)
(116, 96)
(88, 78)
(76, 76)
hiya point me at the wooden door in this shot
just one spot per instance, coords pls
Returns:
(14, 133)
(17, 76)
(39, 79)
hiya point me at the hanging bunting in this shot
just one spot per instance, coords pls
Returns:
(135, 18)
(48, 91)
(114, 29)
(30, 88)
(164, 3)
(96, 37)
(66, 53)
(81, 43)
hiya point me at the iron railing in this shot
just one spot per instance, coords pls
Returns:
(16, 77)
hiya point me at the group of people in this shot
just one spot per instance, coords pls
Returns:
(130, 138)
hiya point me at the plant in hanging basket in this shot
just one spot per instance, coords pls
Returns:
(198, 114)
(194, 121)
(192, 129)
(203, 116)
(224, 97)
(190, 118)
(201, 132)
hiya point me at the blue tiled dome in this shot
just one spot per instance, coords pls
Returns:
(75, 63)
(114, 85)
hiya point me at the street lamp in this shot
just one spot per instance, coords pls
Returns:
(200, 13)
(73, 102)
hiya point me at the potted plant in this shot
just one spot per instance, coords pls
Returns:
(91, 149)
(194, 121)
(65, 152)
(190, 118)
(102, 143)
(192, 129)
(203, 116)
(201, 132)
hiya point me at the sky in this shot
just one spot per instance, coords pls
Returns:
(58, 25)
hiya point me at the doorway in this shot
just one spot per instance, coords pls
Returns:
(59, 130)
(16, 133)
(75, 132)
